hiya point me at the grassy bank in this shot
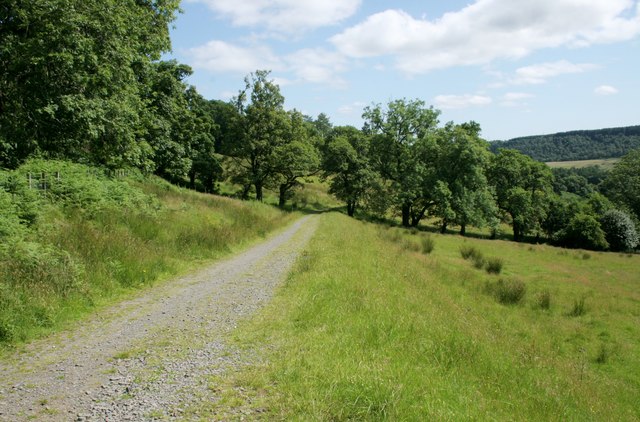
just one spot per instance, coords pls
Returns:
(371, 327)
(85, 239)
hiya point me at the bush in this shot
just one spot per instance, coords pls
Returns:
(478, 261)
(619, 231)
(543, 300)
(428, 244)
(470, 252)
(507, 291)
(494, 265)
(583, 231)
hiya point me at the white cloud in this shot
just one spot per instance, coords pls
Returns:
(284, 16)
(307, 65)
(461, 101)
(220, 56)
(606, 90)
(317, 66)
(488, 30)
(515, 99)
(352, 109)
(540, 73)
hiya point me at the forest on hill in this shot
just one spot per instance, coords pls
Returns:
(83, 81)
(576, 145)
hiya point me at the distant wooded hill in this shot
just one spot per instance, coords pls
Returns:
(576, 145)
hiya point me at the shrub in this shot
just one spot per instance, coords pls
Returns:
(428, 244)
(543, 300)
(583, 231)
(494, 265)
(507, 291)
(579, 308)
(469, 252)
(619, 230)
(478, 261)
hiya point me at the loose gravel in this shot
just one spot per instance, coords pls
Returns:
(152, 357)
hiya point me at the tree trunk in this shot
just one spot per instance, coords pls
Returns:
(258, 191)
(516, 232)
(282, 198)
(443, 228)
(406, 213)
(192, 180)
(463, 229)
(351, 208)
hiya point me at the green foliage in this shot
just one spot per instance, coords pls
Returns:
(395, 153)
(623, 183)
(620, 231)
(297, 157)
(508, 291)
(582, 231)
(455, 182)
(522, 187)
(263, 123)
(576, 145)
(70, 78)
(346, 164)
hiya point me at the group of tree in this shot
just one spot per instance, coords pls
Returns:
(84, 81)
(576, 145)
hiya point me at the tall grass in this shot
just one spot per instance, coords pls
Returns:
(364, 330)
(91, 239)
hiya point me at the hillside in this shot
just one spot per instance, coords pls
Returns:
(576, 145)
(73, 239)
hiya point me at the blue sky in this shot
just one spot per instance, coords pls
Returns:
(517, 67)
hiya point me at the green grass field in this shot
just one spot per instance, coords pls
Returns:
(369, 327)
(605, 163)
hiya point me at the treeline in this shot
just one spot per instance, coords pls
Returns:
(83, 81)
(576, 145)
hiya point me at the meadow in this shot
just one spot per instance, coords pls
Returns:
(383, 323)
(605, 163)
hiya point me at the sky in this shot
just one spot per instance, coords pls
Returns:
(517, 67)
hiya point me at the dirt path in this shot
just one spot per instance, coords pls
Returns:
(151, 357)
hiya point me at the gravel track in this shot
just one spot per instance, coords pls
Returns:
(151, 357)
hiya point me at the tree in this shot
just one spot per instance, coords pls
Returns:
(623, 184)
(346, 164)
(264, 124)
(619, 230)
(69, 77)
(395, 131)
(522, 187)
(456, 184)
(295, 158)
(205, 164)
(169, 121)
